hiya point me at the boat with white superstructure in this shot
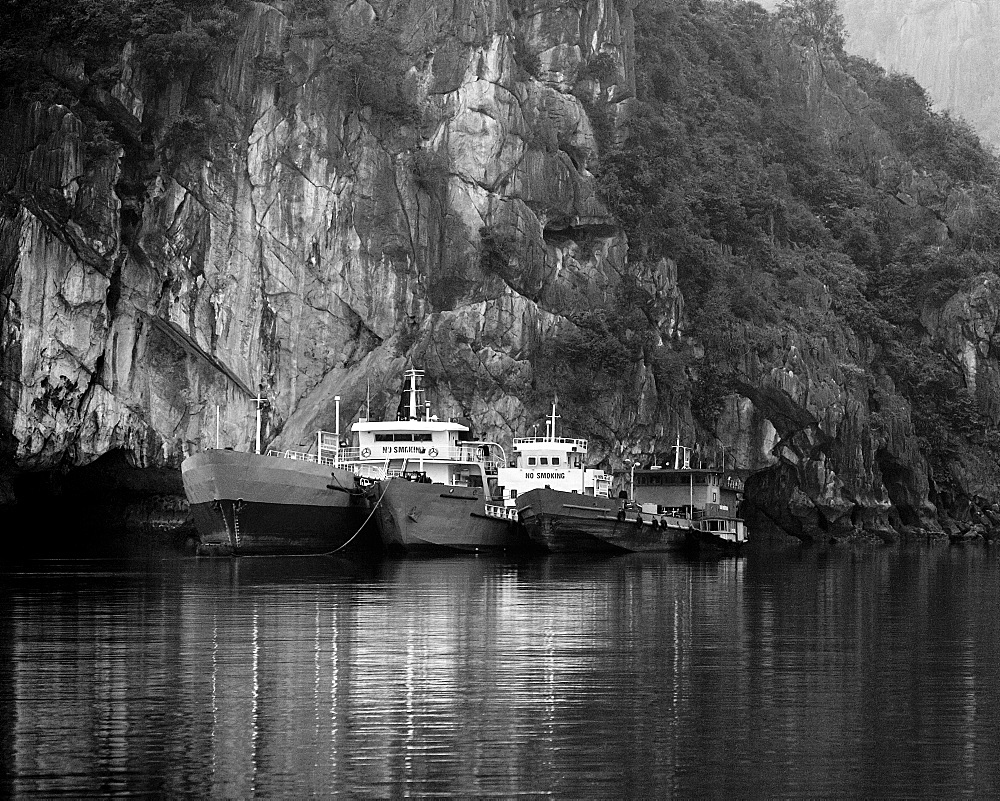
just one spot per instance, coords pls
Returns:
(432, 483)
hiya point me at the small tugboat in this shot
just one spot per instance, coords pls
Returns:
(693, 505)
(665, 508)
(432, 485)
(556, 495)
(247, 503)
(556, 464)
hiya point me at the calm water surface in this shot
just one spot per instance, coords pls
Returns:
(806, 672)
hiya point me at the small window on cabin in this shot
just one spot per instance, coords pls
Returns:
(555, 460)
(402, 437)
(421, 437)
(383, 437)
(513, 494)
(531, 460)
(543, 459)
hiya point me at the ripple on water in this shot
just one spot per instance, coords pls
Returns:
(787, 674)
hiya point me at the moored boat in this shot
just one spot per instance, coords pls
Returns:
(559, 499)
(665, 508)
(699, 501)
(248, 503)
(432, 484)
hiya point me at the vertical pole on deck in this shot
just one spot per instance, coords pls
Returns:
(336, 404)
(260, 400)
(217, 426)
(413, 395)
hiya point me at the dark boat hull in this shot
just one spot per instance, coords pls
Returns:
(414, 516)
(566, 522)
(245, 503)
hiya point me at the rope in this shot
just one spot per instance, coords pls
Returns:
(353, 536)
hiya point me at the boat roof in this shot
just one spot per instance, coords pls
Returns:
(559, 443)
(408, 425)
(655, 468)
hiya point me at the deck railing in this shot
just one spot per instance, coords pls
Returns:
(376, 467)
(579, 443)
(301, 456)
(350, 457)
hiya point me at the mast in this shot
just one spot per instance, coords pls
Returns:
(410, 407)
(551, 426)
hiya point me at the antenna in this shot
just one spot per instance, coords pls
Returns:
(261, 402)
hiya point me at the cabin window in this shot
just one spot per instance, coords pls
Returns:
(402, 437)
(543, 459)
(513, 494)
(555, 460)
(531, 460)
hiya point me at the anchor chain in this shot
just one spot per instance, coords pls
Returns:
(237, 508)
(220, 506)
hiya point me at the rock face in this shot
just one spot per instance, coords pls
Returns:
(301, 241)
(293, 239)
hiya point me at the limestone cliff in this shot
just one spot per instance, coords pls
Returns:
(272, 222)
(268, 229)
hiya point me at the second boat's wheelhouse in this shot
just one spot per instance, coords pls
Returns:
(559, 463)
(421, 447)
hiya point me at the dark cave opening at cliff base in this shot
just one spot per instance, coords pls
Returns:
(898, 480)
(765, 507)
(107, 508)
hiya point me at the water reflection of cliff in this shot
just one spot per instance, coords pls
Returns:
(465, 676)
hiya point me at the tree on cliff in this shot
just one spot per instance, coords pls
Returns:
(818, 20)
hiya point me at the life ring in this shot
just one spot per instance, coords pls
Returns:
(366, 452)
(432, 452)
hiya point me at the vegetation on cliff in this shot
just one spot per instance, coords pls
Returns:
(727, 171)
